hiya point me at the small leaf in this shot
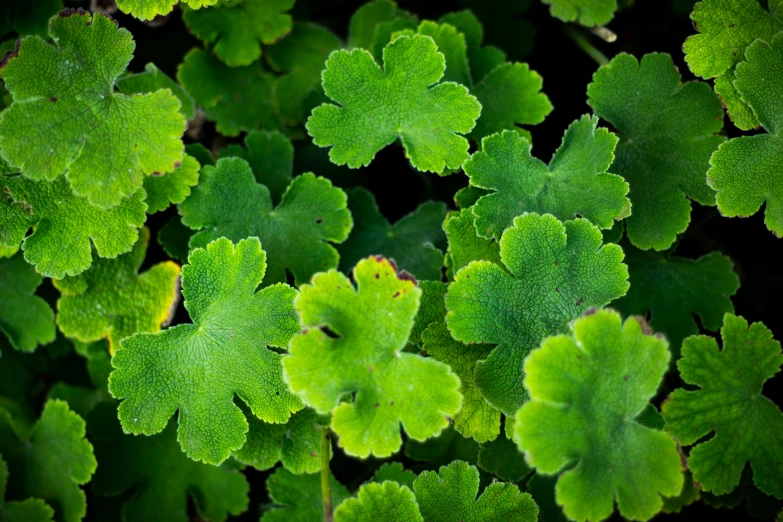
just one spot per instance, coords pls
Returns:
(298, 498)
(25, 319)
(387, 502)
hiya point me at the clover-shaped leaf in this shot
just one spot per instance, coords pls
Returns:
(386, 502)
(58, 217)
(556, 271)
(587, 12)
(67, 119)
(113, 300)
(587, 390)
(298, 498)
(368, 327)
(747, 171)
(170, 188)
(198, 368)
(747, 426)
(28, 510)
(666, 131)
(726, 28)
(236, 98)
(477, 419)
(133, 464)
(239, 28)
(396, 101)
(450, 495)
(297, 443)
(149, 9)
(575, 183)
(270, 156)
(301, 55)
(51, 462)
(25, 318)
(412, 243)
(296, 234)
(674, 289)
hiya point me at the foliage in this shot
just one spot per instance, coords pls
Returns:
(369, 297)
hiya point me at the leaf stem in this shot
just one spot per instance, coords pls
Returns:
(326, 475)
(586, 46)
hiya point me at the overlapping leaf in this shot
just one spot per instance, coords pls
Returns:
(67, 119)
(587, 392)
(413, 242)
(149, 9)
(674, 289)
(402, 101)
(270, 156)
(51, 463)
(25, 319)
(59, 219)
(237, 29)
(170, 188)
(298, 498)
(726, 28)
(198, 368)
(153, 79)
(586, 12)
(556, 271)
(363, 355)
(747, 426)
(575, 183)
(113, 300)
(748, 171)
(465, 245)
(387, 502)
(28, 510)
(667, 135)
(297, 233)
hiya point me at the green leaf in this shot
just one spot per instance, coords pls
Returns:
(302, 55)
(482, 60)
(387, 502)
(502, 458)
(427, 120)
(451, 43)
(556, 271)
(575, 183)
(198, 368)
(364, 22)
(51, 463)
(432, 309)
(510, 96)
(371, 324)
(238, 29)
(170, 188)
(153, 79)
(25, 319)
(450, 495)
(201, 154)
(477, 419)
(673, 289)
(149, 9)
(726, 28)
(30, 510)
(587, 390)
(66, 117)
(747, 426)
(464, 243)
(296, 234)
(586, 12)
(666, 131)
(174, 237)
(747, 171)
(236, 98)
(542, 488)
(394, 471)
(297, 443)
(270, 156)
(58, 217)
(690, 493)
(130, 468)
(113, 300)
(26, 18)
(297, 498)
(412, 243)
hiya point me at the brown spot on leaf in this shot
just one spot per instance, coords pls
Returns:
(53, 99)
(405, 276)
(396, 295)
(377, 405)
(377, 275)
(319, 221)
(10, 54)
(177, 164)
(625, 378)
(580, 301)
(557, 290)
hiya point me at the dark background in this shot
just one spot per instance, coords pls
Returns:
(525, 30)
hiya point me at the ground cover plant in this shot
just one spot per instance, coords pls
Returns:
(349, 260)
